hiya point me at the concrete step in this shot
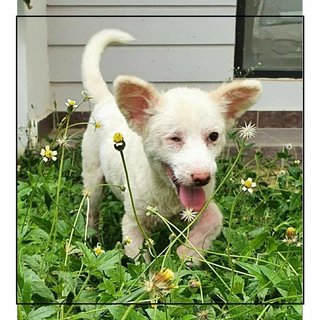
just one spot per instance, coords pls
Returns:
(272, 140)
(268, 140)
(278, 137)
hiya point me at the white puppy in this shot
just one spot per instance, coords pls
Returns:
(172, 140)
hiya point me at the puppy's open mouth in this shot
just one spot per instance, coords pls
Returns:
(191, 197)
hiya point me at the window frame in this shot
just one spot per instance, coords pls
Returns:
(239, 46)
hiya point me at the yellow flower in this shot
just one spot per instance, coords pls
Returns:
(248, 185)
(119, 142)
(97, 125)
(71, 104)
(194, 283)
(48, 154)
(161, 283)
(118, 137)
(290, 233)
(127, 241)
(291, 237)
(98, 249)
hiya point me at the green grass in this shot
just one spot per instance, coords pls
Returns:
(250, 272)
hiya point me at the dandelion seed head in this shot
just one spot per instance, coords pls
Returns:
(161, 283)
(188, 215)
(203, 315)
(63, 141)
(248, 131)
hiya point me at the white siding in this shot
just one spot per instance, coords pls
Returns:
(168, 51)
(170, 48)
(33, 73)
(142, 7)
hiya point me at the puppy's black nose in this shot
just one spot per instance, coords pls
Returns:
(200, 179)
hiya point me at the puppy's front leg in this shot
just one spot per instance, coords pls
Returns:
(207, 228)
(130, 230)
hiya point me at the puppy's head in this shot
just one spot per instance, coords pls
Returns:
(183, 130)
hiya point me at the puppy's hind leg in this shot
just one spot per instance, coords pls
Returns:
(92, 177)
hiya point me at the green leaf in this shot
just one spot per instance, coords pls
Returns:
(252, 269)
(37, 285)
(237, 240)
(271, 275)
(237, 284)
(156, 314)
(119, 311)
(259, 240)
(295, 172)
(47, 199)
(42, 313)
(108, 260)
(42, 223)
(24, 189)
(69, 282)
(89, 258)
(26, 291)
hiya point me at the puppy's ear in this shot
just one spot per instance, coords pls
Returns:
(236, 97)
(136, 99)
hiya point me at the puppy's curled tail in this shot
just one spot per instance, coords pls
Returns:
(91, 76)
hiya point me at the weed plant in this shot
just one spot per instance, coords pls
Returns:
(253, 270)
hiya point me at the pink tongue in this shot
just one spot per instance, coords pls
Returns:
(192, 197)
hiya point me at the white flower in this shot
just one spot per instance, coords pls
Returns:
(72, 104)
(248, 185)
(289, 146)
(248, 131)
(149, 243)
(98, 249)
(296, 161)
(48, 154)
(86, 96)
(188, 215)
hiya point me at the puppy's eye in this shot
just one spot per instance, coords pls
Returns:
(175, 139)
(213, 136)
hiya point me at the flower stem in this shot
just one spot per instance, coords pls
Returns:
(133, 205)
(72, 230)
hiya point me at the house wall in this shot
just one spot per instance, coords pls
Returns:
(170, 48)
(177, 43)
(33, 103)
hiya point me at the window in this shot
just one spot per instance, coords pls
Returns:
(269, 41)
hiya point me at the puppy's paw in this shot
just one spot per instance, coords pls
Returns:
(191, 257)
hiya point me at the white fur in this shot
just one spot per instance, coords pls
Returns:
(167, 137)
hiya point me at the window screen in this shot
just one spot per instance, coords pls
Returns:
(269, 38)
